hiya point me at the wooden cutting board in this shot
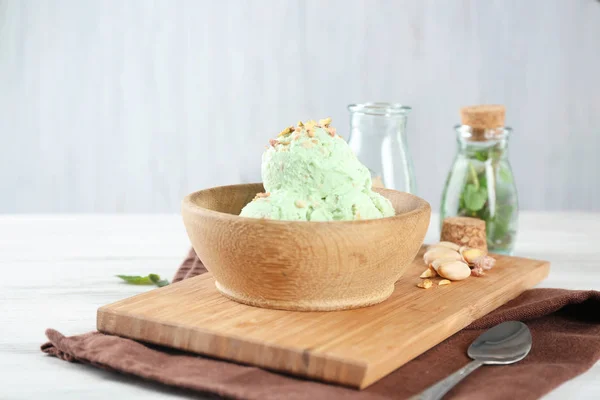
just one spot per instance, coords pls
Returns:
(353, 348)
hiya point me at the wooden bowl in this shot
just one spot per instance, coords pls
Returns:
(299, 265)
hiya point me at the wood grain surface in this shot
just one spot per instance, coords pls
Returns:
(299, 265)
(353, 348)
(58, 269)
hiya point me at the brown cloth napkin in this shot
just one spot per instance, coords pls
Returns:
(565, 326)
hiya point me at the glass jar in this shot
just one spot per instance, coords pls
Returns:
(378, 138)
(481, 185)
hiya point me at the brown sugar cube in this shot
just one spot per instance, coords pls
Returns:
(465, 231)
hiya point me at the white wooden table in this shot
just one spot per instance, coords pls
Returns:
(57, 270)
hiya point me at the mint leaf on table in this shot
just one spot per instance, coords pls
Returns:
(151, 279)
(157, 281)
(474, 197)
(136, 280)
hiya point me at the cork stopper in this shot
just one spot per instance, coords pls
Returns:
(483, 117)
(464, 231)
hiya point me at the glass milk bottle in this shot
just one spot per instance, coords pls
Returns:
(378, 138)
(480, 183)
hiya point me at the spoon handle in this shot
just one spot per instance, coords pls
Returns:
(438, 390)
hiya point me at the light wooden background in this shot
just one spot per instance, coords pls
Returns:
(125, 106)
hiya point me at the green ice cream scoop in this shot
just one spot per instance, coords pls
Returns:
(311, 174)
(293, 206)
(319, 164)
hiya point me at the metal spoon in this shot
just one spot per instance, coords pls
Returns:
(506, 343)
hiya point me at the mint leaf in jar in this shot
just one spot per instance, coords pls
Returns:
(474, 197)
(481, 155)
(505, 174)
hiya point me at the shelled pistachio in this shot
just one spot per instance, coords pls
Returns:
(455, 262)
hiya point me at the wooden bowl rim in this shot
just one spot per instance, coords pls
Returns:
(188, 203)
